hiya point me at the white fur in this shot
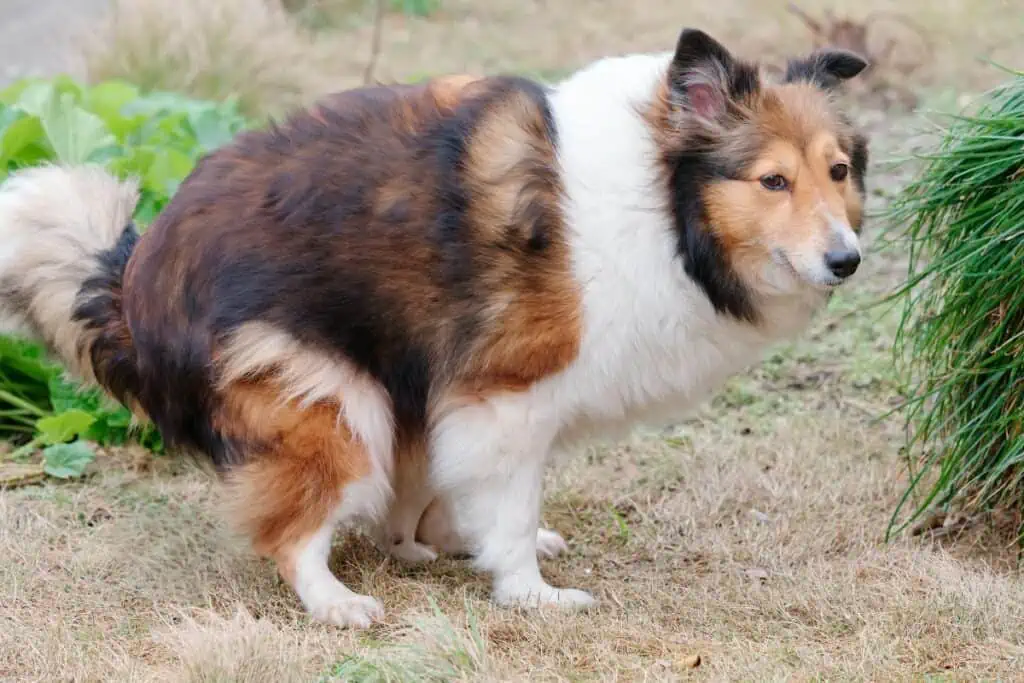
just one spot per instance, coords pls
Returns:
(54, 220)
(488, 460)
(325, 598)
(652, 345)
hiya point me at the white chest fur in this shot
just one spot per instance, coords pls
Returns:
(652, 345)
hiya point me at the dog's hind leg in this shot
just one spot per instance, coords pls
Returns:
(436, 530)
(304, 475)
(396, 535)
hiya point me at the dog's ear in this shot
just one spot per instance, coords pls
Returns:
(700, 74)
(826, 68)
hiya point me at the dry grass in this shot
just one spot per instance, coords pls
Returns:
(750, 536)
(750, 541)
(267, 57)
(249, 49)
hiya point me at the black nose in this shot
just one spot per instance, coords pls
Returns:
(843, 263)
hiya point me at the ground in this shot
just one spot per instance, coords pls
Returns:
(746, 543)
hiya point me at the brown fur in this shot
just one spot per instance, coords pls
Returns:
(800, 138)
(250, 296)
(476, 305)
(536, 319)
(300, 458)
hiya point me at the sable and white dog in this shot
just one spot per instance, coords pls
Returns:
(392, 307)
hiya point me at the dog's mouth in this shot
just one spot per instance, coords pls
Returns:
(828, 282)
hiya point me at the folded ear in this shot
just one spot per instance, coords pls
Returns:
(826, 68)
(699, 74)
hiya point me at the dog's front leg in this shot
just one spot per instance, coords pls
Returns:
(487, 460)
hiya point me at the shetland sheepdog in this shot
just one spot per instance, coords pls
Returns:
(391, 308)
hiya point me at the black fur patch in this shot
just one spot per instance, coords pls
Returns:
(99, 305)
(859, 161)
(744, 80)
(697, 161)
(704, 258)
(825, 68)
(174, 392)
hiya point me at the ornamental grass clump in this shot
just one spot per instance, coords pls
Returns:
(960, 343)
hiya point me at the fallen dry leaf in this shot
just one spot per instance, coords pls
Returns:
(689, 662)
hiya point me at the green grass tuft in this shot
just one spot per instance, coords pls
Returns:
(433, 649)
(960, 342)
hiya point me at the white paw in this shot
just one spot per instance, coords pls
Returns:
(550, 543)
(350, 610)
(413, 552)
(542, 595)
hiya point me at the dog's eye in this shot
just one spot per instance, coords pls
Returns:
(774, 182)
(839, 172)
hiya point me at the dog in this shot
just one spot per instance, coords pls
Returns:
(389, 309)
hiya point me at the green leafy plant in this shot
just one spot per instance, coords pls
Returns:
(155, 137)
(960, 344)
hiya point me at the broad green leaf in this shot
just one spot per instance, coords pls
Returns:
(68, 460)
(150, 206)
(12, 93)
(33, 94)
(63, 84)
(109, 101)
(26, 358)
(111, 422)
(163, 103)
(168, 169)
(212, 130)
(75, 134)
(35, 97)
(18, 136)
(156, 137)
(64, 426)
(119, 419)
(133, 160)
(8, 115)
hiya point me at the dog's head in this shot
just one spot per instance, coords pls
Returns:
(766, 178)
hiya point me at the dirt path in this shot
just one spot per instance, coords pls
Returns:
(36, 35)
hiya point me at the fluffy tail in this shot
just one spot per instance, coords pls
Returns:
(65, 238)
